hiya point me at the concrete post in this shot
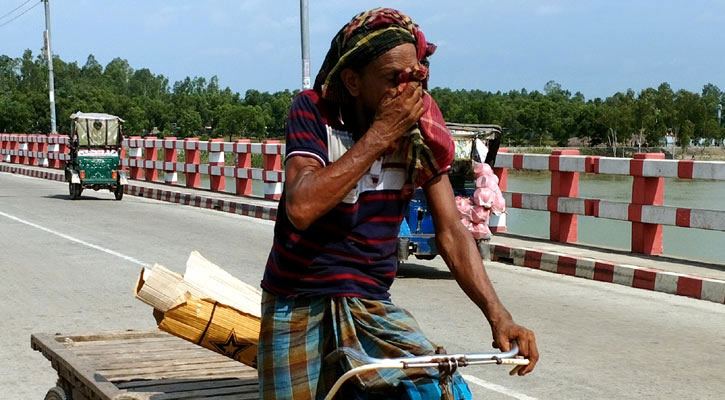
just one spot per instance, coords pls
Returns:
(217, 181)
(646, 238)
(562, 227)
(243, 152)
(193, 159)
(272, 162)
(135, 150)
(170, 158)
(150, 157)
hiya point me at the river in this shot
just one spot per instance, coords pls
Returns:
(696, 244)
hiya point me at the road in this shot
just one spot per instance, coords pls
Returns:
(70, 266)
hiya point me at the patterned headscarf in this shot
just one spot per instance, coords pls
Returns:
(366, 37)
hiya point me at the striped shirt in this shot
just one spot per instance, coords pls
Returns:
(351, 250)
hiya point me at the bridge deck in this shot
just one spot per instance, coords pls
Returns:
(143, 365)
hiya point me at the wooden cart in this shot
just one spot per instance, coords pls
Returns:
(147, 365)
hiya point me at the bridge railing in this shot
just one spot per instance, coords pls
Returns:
(646, 211)
(140, 158)
(41, 150)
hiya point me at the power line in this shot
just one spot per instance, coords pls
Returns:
(19, 15)
(13, 10)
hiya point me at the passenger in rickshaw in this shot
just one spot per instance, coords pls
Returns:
(358, 144)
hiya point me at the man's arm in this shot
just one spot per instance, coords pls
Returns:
(459, 250)
(312, 190)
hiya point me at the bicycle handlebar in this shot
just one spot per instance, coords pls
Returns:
(437, 360)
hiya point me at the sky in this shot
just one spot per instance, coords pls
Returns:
(596, 47)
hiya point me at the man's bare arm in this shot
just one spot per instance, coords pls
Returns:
(458, 249)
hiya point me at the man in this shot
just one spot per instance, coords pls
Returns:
(357, 146)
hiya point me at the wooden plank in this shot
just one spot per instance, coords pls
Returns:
(238, 393)
(149, 357)
(131, 348)
(170, 362)
(163, 382)
(165, 374)
(116, 342)
(99, 385)
(136, 349)
(181, 366)
(181, 385)
(129, 334)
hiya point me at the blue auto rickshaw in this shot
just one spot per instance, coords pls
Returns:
(473, 142)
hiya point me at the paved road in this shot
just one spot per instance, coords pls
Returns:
(74, 268)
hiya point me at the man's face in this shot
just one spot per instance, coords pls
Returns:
(380, 75)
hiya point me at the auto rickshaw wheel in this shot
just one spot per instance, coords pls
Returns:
(57, 393)
(118, 192)
(75, 191)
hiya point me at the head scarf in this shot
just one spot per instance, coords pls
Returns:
(365, 38)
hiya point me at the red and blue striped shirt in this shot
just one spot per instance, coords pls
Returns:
(351, 250)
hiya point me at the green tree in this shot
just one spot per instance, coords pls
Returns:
(189, 123)
(684, 135)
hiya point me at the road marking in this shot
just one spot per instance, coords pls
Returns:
(79, 241)
(497, 388)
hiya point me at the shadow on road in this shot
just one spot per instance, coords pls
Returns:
(67, 197)
(409, 270)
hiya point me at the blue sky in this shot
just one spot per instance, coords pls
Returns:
(597, 47)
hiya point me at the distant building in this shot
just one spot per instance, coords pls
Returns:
(578, 142)
(670, 139)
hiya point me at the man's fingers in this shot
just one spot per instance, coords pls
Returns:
(503, 344)
(533, 355)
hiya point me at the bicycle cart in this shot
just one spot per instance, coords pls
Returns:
(148, 365)
(136, 365)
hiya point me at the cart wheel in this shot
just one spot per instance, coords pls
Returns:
(57, 393)
(118, 192)
(75, 191)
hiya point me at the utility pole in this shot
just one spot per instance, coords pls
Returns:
(305, 34)
(49, 55)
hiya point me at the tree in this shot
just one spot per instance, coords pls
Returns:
(684, 135)
(189, 123)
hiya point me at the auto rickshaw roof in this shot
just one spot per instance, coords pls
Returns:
(95, 116)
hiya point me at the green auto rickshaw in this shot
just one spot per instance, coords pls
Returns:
(95, 146)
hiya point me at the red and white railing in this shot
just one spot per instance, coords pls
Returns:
(143, 164)
(646, 212)
(41, 150)
(140, 157)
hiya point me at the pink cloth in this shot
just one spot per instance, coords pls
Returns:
(467, 223)
(464, 206)
(481, 169)
(484, 197)
(480, 231)
(480, 215)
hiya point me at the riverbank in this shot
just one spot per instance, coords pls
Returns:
(699, 153)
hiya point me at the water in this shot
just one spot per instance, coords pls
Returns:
(696, 244)
(230, 184)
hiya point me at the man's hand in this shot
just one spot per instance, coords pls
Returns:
(505, 331)
(397, 112)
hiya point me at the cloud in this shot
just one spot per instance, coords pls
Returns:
(548, 10)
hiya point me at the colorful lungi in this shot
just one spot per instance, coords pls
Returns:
(298, 333)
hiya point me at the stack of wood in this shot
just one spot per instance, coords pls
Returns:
(206, 306)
